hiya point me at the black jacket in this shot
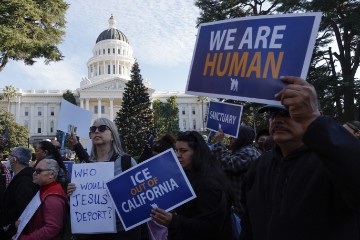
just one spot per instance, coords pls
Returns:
(313, 193)
(17, 196)
(208, 215)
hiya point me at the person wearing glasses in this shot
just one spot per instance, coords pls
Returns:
(353, 127)
(208, 216)
(19, 193)
(49, 219)
(308, 186)
(47, 150)
(106, 147)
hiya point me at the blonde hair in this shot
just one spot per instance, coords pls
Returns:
(116, 147)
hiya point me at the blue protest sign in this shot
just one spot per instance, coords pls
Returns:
(69, 165)
(226, 116)
(243, 58)
(157, 182)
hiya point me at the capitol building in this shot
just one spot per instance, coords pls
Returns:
(100, 91)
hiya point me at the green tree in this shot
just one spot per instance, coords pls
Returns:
(69, 96)
(340, 20)
(11, 133)
(166, 116)
(30, 30)
(8, 93)
(337, 87)
(135, 118)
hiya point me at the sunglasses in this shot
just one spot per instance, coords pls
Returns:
(101, 128)
(280, 113)
(39, 170)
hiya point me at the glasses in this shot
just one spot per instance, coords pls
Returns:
(101, 128)
(280, 113)
(39, 170)
(12, 156)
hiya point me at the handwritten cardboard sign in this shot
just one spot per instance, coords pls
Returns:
(91, 209)
(157, 182)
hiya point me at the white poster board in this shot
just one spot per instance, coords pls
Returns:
(71, 116)
(91, 208)
(28, 212)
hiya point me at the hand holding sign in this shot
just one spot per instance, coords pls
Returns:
(161, 216)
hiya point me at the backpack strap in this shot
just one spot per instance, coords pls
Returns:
(114, 157)
(125, 162)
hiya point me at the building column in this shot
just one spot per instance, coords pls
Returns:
(44, 130)
(200, 117)
(111, 108)
(32, 124)
(81, 102)
(18, 114)
(190, 117)
(87, 103)
(99, 107)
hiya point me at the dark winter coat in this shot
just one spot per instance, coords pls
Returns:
(313, 193)
(17, 196)
(207, 216)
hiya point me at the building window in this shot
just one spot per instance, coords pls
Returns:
(183, 111)
(96, 109)
(113, 69)
(108, 69)
(193, 110)
(52, 126)
(184, 124)
(39, 111)
(39, 127)
(52, 111)
(103, 51)
(194, 124)
(26, 111)
(108, 50)
(113, 50)
(119, 51)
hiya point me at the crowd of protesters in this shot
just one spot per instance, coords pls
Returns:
(298, 179)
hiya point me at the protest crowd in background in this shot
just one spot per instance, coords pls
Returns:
(302, 187)
(297, 179)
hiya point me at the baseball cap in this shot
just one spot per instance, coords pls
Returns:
(271, 108)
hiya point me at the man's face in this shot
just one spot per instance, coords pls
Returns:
(284, 129)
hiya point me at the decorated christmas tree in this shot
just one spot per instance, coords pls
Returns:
(135, 118)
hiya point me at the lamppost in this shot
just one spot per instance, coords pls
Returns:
(254, 116)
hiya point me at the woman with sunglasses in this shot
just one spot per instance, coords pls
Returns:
(46, 150)
(208, 216)
(106, 147)
(50, 218)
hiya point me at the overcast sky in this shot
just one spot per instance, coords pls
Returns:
(162, 34)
